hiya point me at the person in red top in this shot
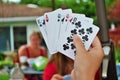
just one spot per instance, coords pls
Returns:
(59, 66)
(34, 49)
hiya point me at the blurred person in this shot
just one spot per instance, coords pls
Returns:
(33, 50)
(58, 66)
(88, 62)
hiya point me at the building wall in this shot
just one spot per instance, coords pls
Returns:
(30, 26)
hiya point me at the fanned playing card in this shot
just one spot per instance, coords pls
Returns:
(52, 20)
(41, 24)
(65, 14)
(59, 26)
(86, 31)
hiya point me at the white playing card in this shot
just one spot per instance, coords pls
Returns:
(52, 20)
(81, 16)
(72, 17)
(63, 22)
(41, 24)
(65, 14)
(86, 31)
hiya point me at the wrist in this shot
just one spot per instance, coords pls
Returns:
(84, 76)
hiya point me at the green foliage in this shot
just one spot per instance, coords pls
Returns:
(117, 54)
(43, 3)
(86, 7)
(109, 3)
(1, 56)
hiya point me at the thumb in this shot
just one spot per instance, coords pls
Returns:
(78, 44)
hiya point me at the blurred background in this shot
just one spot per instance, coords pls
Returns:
(18, 20)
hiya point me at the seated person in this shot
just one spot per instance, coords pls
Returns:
(59, 66)
(34, 49)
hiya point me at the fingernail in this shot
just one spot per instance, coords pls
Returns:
(75, 36)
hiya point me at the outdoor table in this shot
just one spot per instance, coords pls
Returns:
(31, 71)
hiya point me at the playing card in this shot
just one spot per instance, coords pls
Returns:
(41, 24)
(74, 17)
(52, 20)
(86, 31)
(64, 19)
(65, 14)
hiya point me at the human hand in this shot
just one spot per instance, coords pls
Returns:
(57, 77)
(86, 62)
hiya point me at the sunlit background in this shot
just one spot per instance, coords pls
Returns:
(17, 20)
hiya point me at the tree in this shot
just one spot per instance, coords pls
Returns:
(86, 7)
(42, 3)
(114, 12)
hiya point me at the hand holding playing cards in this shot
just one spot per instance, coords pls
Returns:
(57, 77)
(59, 26)
(86, 62)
